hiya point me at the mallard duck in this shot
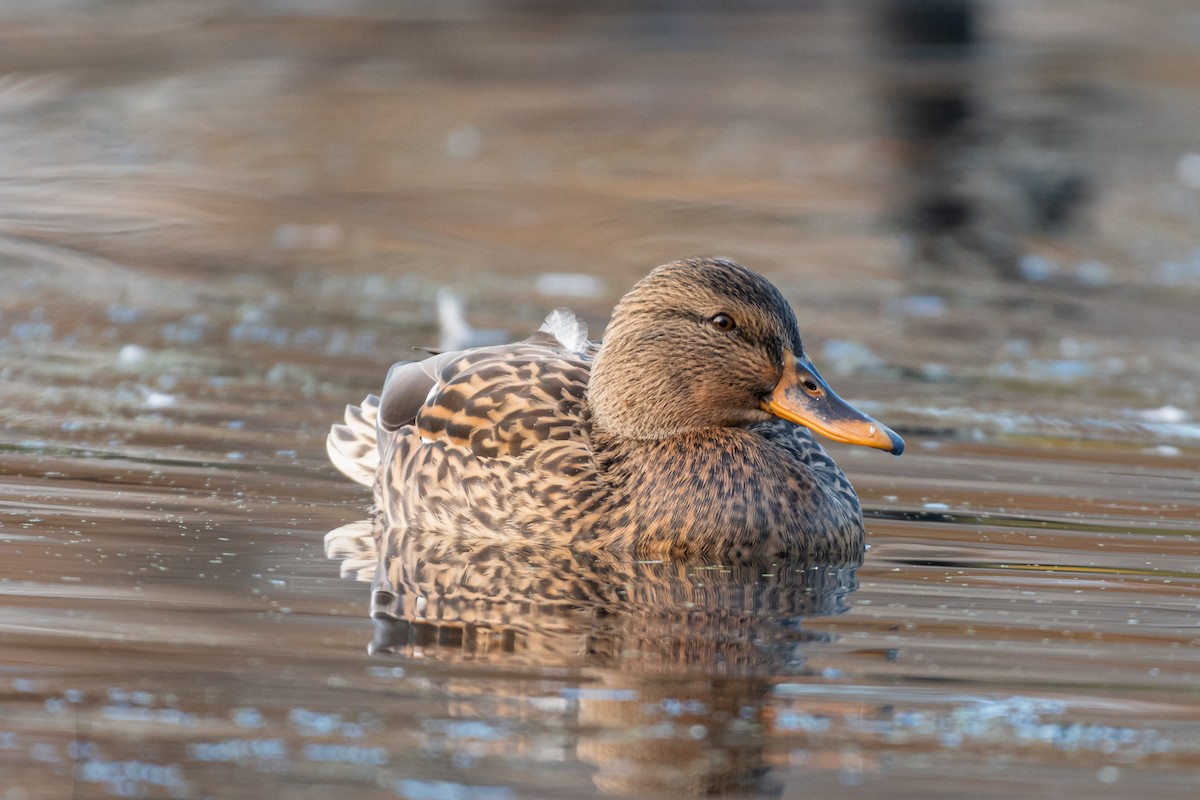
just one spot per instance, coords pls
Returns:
(687, 431)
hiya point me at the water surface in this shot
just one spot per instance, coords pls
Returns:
(221, 226)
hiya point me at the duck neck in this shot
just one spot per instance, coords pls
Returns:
(634, 404)
(755, 499)
(634, 393)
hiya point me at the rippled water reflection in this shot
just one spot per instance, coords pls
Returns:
(674, 660)
(220, 227)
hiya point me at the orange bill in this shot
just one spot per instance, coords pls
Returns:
(803, 397)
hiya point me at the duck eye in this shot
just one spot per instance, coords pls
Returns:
(723, 322)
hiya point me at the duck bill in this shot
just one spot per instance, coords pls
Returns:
(802, 396)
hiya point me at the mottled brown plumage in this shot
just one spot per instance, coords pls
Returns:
(678, 435)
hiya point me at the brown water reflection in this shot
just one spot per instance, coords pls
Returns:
(221, 224)
(676, 658)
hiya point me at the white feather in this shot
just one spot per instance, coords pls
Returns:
(570, 330)
(352, 447)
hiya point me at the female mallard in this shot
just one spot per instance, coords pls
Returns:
(687, 431)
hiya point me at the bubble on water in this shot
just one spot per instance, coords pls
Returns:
(464, 142)
(1018, 348)
(174, 333)
(346, 754)
(850, 777)
(466, 729)
(239, 750)
(259, 333)
(569, 284)
(163, 716)
(124, 315)
(911, 719)
(587, 693)
(154, 400)
(124, 778)
(919, 306)
(1187, 170)
(1037, 269)
(1167, 414)
(80, 751)
(413, 789)
(549, 705)
(951, 739)
(933, 371)
(248, 718)
(44, 752)
(792, 720)
(131, 355)
(1092, 273)
(314, 723)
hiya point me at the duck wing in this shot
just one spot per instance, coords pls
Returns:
(501, 438)
(503, 401)
(496, 400)
(407, 386)
(476, 441)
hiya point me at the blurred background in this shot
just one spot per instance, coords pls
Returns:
(221, 221)
(202, 173)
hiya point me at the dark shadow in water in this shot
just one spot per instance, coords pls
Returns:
(676, 658)
(986, 161)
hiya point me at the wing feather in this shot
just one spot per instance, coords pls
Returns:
(504, 404)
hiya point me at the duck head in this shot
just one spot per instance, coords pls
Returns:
(706, 343)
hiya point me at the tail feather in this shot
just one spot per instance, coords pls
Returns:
(353, 447)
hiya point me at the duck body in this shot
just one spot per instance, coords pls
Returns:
(677, 436)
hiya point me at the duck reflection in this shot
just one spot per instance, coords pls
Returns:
(675, 658)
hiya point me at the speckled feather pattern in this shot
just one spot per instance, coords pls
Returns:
(534, 590)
